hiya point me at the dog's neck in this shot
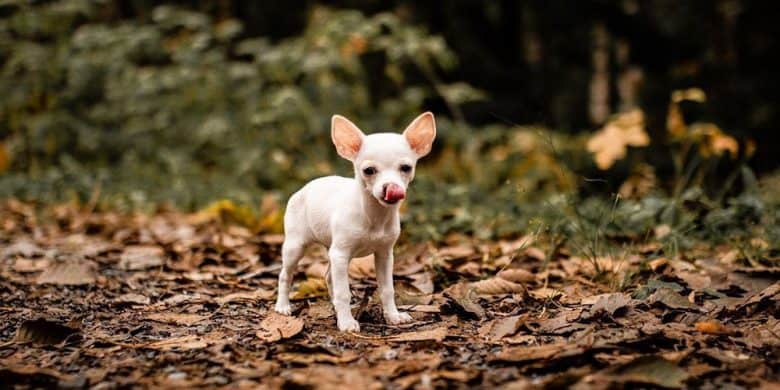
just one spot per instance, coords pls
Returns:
(375, 213)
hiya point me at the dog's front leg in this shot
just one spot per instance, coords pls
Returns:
(339, 264)
(383, 262)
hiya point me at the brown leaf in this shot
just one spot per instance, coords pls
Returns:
(27, 265)
(249, 296)
(671, 299)
(309, 358)
(517, 275)
(496, 285)
(42, 331)
(650, 370)
(544, 293)
(184, 319)
(70, 273)
(180, 343)
(609, 303)
(362, 268)
(505, 326)
(435, 334)
(275, 327)
(22, 247)
(133, 298)
(527, 354)
(463, 297)
(772, 292)
(138, 258)
(712, 327)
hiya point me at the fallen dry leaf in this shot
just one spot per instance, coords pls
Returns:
(496, 285)
(608, 303)
(184, 319)
(650, 370)
(712, 327)
(250, 296)
(463, 298)
(26, 265)
(137, 258)
(275, 327)
(42, 331)
(505, 327)
(180, 343)
(517, 275)
(435, 334)
(362, 268)
(72, 272)
(610, 143)
(133, 298)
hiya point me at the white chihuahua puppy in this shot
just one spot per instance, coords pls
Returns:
(355, 217)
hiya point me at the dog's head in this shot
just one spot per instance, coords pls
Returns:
(384, 162)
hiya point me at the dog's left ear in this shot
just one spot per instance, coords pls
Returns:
(420, 133)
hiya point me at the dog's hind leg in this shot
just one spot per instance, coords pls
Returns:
(292, 251)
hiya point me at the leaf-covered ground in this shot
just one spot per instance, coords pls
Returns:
(108, 300)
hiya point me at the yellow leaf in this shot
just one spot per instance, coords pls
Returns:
(311, 288)
(610, 143)
(713, 141)
(272, 216)
(227, 212)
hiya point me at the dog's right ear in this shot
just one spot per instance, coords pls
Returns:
(346, 136)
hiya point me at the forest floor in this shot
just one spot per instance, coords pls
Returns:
(106, 300)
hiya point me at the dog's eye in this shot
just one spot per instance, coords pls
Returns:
(406, 168)
(369, 171)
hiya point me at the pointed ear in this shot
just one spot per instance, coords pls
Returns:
(420, 133)
(346, 136)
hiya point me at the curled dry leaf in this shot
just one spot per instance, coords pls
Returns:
(517, 275)
(275, 327)
(545, 293)
(496, 285)
(42, 331)
(462, 296)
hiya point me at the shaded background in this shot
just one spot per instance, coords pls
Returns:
(535, 58)
(132, 104)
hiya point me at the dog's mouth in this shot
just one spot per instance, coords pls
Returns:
(393, 193)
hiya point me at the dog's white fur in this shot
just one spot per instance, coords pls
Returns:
(351, 216)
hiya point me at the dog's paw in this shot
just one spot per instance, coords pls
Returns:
(398, 318)
(283, 308)
(349, 325)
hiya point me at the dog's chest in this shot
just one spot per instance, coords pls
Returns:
(373, 240)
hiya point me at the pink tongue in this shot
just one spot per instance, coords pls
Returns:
(394, 192)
